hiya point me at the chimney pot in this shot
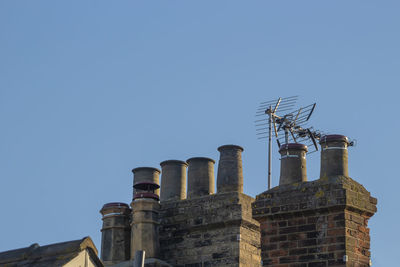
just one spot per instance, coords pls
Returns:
(293, 163)
(334, 155)
(200, 177)
(146, 174)
(230, 170)
(173, 180)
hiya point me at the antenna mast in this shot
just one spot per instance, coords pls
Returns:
(271, 108)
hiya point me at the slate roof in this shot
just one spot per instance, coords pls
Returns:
(50, 255)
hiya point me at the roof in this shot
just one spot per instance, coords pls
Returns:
(50, 255)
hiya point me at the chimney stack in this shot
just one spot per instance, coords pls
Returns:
(173, 180)
(145, 222)
(293, 163)
(115, 233)
(200, 177)
(146, 174)
(230, 172)
(334, 155)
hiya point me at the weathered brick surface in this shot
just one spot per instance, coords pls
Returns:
(315, 223)
(357, 238)
(214, 230)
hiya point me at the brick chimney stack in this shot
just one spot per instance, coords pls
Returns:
(317, 223)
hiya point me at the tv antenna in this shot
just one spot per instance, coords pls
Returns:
(294, 130)
(288, 124)
(272, 109)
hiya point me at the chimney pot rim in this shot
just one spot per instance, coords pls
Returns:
(145, 168)
(200, 159)
(115, 204)
(173, 161)
(231, 146)
(333, 137)
(293, 146)
(112, 206)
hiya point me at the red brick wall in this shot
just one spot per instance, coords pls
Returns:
(357, 239)
(316, 223)
(306, 240)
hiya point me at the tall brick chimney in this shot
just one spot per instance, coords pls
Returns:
(230, 170)
(173, 180)
(318, 223)
(115, 233)
(200, 177)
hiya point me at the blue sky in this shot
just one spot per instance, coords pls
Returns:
(91, 89)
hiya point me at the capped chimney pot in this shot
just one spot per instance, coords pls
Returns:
(173, 180)
(146, 174)
(334, 155)
(115, 233)
(230, 170)
(293, 163)
(200, 177)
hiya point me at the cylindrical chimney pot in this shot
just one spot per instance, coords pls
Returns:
(173, 180)
(115, 233)
(200, 177)
(293, 163)
(230, 170)
(334, 155)
(146, 174)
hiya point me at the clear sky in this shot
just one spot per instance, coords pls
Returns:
(91, 89)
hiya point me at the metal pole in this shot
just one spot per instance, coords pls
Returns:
(139, 258)
(269, 148)
(286, 139)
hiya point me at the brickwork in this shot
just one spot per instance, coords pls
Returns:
(357, 238)
(315, 223)
(214, 230)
